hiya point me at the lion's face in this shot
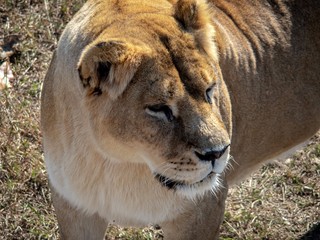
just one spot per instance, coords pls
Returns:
(164, 104)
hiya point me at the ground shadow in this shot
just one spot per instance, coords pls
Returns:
(313, 233)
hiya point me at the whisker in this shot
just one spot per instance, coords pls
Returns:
(164, 170)
(213, 191)
(233, 160)
(230, 166)
(161, 164)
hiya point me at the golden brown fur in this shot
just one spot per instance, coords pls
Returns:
(269, 60)
(135, 104)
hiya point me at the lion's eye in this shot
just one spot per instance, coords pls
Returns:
(209, 93)
(160, 111)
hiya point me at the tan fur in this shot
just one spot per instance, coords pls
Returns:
(113, 150)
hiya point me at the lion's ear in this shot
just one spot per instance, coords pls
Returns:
(195, 17)
(108, 67)
(191, 14)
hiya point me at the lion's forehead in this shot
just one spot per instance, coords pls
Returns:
(177, 73)
(180, 64)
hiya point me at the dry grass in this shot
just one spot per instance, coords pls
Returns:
(281, 201)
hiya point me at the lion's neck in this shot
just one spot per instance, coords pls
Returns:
(244, 35)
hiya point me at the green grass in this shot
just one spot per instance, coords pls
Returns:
(281, 201)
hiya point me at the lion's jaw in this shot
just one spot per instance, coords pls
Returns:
(190, 180)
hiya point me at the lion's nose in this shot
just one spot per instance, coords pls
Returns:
(211, 155)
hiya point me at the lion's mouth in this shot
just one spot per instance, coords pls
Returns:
(174, 184)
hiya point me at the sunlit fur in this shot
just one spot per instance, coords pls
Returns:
(109, 159)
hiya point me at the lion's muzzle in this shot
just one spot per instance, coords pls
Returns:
(211, 155)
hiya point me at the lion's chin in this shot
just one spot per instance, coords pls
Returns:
(210, 183)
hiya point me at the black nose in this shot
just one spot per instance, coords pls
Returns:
(211, 155)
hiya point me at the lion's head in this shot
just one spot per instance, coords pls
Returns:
(154, 93)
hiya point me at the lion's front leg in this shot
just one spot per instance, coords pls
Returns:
(74, 224)
(200, 220)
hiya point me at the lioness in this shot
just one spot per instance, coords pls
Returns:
(136, 108)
